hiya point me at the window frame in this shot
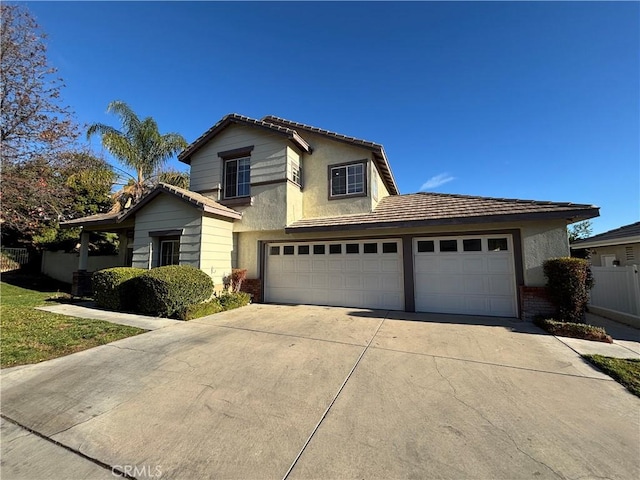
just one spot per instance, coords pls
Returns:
(225, 170)
(169, 240)
(337, 166)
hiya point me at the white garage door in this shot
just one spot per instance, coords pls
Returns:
(366, 274)
(468, 275)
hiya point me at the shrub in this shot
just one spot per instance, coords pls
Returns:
(226, 301)
(231, 300)
(112, 287)
(200, 310)
(234, 281)
(568, 283)
(573, 330)
(166, 291)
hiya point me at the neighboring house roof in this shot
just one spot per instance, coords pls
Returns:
(618, 236)
(234, 118)
(376, 148)
(192, 198)
(423, 209)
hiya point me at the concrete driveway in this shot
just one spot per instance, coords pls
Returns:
(299, 392)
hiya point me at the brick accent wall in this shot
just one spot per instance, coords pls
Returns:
(535, 301)
(253, 286)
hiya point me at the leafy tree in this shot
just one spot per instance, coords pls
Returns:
(175, 178)
(33, 121)
(579, 230)
(44, 180)
(38, 194)
(138, 145)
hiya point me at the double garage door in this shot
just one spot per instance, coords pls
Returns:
(366, 274)
(465, 275)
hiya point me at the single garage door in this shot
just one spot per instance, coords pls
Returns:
(469, 275)
(349, 273)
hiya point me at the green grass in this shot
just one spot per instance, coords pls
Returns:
(623, 370)
(31, 336)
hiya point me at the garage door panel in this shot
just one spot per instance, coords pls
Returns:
(449, 264)
(318, 280)
(501, 285)
(500, 264)
(371, 265)
(474, 285)
(480, 282)
(474, 265)
(357, 279)
(316, 266)
(303, 265)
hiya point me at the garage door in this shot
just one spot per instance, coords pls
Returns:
(366, 274)
(467, 275)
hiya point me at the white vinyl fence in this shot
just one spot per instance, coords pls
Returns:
(616, 289)
(61, 265)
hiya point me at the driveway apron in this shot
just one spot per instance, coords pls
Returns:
(273, 391)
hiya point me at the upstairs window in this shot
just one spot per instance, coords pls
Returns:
(347, 180)
(296, 174)
(237, 177)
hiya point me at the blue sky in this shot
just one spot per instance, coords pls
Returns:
(504, 99)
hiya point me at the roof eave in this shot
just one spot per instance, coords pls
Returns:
(568, 215)
(187, 153)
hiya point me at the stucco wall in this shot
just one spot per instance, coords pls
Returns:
(316, 178)
(166, 213)
(268, 158)
(61, 265)
(382, 188)
(269, 209)
(540, 240)
(620, 251)
(216, 250)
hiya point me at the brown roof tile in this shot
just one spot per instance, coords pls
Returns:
(381, 157)
(195, 199)
(421, 209)
(185, 155)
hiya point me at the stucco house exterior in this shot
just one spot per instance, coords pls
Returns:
(620, 246)
(316, 218)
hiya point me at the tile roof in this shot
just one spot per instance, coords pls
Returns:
(185, 155)
(625, 234)
(97, 219)
(378, 149)
(195, 199)
(421, 209)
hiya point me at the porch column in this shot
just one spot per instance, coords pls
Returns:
(84, 251)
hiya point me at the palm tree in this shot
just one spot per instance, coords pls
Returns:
(140, 146)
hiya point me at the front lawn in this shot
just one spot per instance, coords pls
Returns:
(624, 370)
(31, 336)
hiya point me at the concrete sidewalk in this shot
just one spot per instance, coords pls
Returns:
(88, 310)
(626, 340)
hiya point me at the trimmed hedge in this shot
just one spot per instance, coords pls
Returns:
(226, 301)
(568, 283)
(573, 330)
(166, 291)
(113, 289)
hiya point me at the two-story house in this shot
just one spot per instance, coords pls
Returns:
(316, 218)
